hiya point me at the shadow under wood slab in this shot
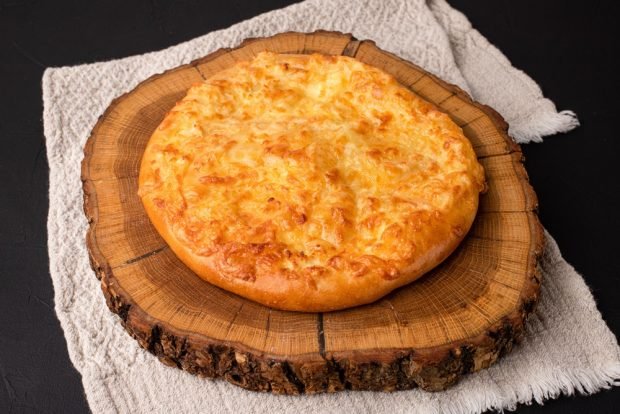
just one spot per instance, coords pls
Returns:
(459, 318)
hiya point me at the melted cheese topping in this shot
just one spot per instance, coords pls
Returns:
(289, 179)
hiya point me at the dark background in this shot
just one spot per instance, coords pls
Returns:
(569, 48)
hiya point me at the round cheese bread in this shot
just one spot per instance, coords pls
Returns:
(309, 182)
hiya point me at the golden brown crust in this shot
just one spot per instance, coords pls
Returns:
(309, 183)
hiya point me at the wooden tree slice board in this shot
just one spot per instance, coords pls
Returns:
(457, 319)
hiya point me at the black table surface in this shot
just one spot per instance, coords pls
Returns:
(567, 47)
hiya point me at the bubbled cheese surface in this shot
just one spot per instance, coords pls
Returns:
(309, 182)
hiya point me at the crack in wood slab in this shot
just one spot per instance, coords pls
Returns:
(499, 154)
(199, 72)
(416, 82)
(351, 48)
(143, 256)
(267, 328)
(399, 322)
(445, 99)
(234, 318)
(321, 335)
(472, 120)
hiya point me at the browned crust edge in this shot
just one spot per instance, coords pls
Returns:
(433, 369)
